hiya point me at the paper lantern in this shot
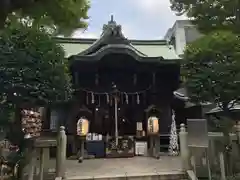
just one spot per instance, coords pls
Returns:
(153, 125)
(82, 127)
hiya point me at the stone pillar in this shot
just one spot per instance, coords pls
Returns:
(238, 131)
(184, 150)
(61, 153)
(32, 165)
(222, 166)
(41, 174)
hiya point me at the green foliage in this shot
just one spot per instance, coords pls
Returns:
(62, 15)
(33, 69)
(216, 124)
(7, 115)
(210, 15)
(211, 66)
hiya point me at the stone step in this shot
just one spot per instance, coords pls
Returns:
(153, 176)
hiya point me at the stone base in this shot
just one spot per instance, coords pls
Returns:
(151, 176)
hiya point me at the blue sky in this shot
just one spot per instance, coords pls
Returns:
(140, 19)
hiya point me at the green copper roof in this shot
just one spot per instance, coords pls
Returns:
(154, 48)
(112, 36)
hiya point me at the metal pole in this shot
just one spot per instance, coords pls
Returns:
(116, 119)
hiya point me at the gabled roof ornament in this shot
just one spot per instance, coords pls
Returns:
(112, 18)
(113, 28)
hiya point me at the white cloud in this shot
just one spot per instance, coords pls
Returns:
(160, 8)
(156, 14)
(127, 30)
(148, 19)
(153, 6)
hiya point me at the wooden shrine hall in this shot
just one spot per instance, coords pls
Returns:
(124, 95)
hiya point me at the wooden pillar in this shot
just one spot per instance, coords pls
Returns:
(45, 118)
(81, 150)
(157, 146)
(76, 78)
(151, 153)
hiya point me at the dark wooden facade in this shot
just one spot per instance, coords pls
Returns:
(144, 84)
(112, 59)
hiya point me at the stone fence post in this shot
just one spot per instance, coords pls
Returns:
(61, 153)
(184, 150)
(238, 131)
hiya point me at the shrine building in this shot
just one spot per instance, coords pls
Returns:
(124, 88)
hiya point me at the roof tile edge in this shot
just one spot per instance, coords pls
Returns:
(90, 41)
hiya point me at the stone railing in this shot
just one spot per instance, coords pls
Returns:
(213, 137)
(42, 145)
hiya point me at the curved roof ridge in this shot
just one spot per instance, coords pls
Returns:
(98, 42)
(131, 48)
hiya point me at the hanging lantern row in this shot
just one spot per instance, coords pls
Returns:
(31, 123)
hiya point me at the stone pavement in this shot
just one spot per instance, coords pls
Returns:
(125, 168)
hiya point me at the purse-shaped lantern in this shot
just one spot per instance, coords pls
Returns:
(82, 127)
(153, 125)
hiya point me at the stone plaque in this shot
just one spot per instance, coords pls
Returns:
(197, 133)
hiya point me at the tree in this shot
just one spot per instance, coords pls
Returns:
(64, 15)
(34, 72)
(211, 66)
(32, 67)
(210, 15)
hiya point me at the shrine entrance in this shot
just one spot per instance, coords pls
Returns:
(117, 84)
(127, 121)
